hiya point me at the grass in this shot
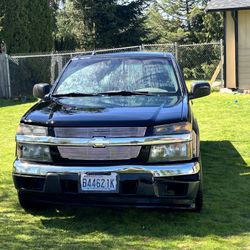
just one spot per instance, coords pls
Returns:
(223, 224)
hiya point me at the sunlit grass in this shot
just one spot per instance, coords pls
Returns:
(223, 224)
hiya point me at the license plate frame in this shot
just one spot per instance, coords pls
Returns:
(87, 180)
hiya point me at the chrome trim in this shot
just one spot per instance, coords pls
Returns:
(108, 132)
(104, 142)
(99, 154)
(27, 168)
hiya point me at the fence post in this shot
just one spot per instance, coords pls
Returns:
(8, 75)
(176, 50)
(5, 88)
(222, 62)
(52, 69)
(59, 63)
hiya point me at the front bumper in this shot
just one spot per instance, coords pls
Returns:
(172, 185)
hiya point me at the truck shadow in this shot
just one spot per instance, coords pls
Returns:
(227, 205)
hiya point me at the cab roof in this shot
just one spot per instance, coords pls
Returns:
(128, 54)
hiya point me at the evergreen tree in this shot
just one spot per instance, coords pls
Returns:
(26, 25)
(164, 26)
(14, 25)
(40, 26)
(182, 21)
(70, 28)
(101, 24)
(130, 28)
(213, 27)
(1, 19)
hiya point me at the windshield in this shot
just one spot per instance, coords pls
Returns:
(104, 75)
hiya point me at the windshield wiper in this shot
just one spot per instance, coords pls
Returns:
(125, 93)
(74, 94)
(112, 93)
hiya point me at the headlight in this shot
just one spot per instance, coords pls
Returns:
(181, 151)
(24, 129)
(175, 128)
(31, 152)
(171, 152)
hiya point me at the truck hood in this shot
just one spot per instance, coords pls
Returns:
(101, 111)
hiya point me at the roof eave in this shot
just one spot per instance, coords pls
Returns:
(227, 9)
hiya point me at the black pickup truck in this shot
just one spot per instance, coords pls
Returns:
(113, 130)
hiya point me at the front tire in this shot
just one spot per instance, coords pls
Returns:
(199, 200)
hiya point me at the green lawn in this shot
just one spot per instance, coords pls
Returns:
(223, 224)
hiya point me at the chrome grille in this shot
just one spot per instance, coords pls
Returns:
(99, 154)
(109, 132)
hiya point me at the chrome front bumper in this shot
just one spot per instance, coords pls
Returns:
(171, 169)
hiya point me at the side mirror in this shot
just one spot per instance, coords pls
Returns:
(40, 90)
(199, 89)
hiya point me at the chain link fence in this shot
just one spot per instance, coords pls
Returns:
(171, 47)
(198, 62)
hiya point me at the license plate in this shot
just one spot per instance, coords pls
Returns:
(99, 183)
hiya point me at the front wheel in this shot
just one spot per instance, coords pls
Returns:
(199, 200)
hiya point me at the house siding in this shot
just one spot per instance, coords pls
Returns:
(244, 49)
(230, 51)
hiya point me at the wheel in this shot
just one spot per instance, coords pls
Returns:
(199, 200)
(28, 204)
(199, 197)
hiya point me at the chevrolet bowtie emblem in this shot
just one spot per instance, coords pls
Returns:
(99, 142)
